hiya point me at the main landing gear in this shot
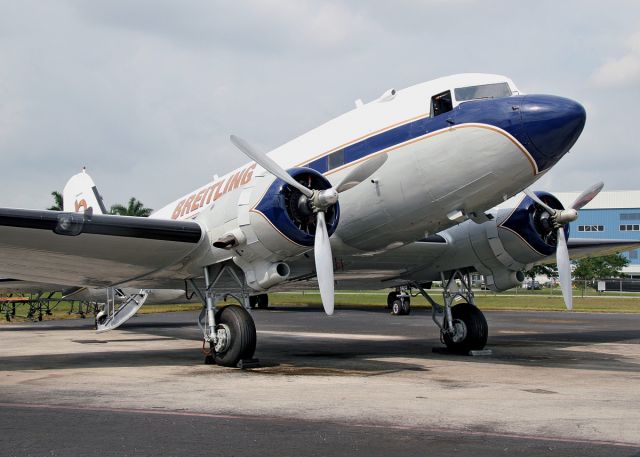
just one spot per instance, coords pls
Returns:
(399, 301)
(463, 327)
(229, 333)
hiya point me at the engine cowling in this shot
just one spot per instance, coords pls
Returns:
(516, 238)
(278, 223)
(527, 232)
(286, 210)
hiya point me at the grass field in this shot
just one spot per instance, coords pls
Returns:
(529, 301)
(512, 300)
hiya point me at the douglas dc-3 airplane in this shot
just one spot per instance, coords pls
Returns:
(394, 193)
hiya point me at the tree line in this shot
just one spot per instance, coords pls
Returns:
(588, 269)
(134, 207)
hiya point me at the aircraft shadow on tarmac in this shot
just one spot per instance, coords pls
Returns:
(286, 356)
(309, 364)
(288, 351)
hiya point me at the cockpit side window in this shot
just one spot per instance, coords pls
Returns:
(497, 90)
(441, 103)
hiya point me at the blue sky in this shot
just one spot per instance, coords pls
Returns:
(145, 93)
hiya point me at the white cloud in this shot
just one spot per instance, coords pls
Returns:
(623, 71)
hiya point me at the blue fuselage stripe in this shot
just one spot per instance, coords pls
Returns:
(495, 112)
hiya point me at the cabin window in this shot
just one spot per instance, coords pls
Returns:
(336, 159)
(441, 103)
(497, 90)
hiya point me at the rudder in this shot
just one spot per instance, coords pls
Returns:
(80, 193)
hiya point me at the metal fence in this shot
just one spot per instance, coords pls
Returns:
(607, 286)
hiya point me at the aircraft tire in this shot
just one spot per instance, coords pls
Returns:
(253, 301)
(263, 301)
(397, 309)
(406, 307)
(475, 327)
(242, 335)
(390, 299)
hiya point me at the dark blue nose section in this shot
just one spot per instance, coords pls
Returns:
(552, 124)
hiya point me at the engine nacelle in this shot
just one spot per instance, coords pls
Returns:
(504, 279)
(283, 219)
(262, 275)
(503, 247)
(527, 232)
(274, 223)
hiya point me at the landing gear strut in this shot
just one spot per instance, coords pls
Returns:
(463, 327)
(229, 331)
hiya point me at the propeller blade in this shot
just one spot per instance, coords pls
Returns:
(362, 172)
(564, 269)
(324, 263)
(535, 198)
(588, 195)
(269, 164)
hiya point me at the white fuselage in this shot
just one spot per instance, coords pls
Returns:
(456, 169)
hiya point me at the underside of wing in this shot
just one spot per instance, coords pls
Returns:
(15, 286)
(580, 248)
(84, 250)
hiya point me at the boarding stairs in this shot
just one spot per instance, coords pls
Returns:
(119, 308)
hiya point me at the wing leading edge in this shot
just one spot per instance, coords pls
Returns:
(584, 247)
(90, 250)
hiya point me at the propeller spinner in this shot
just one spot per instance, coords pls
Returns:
(559, 218)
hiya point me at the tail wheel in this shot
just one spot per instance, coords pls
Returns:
(470, 329)
(236, 334)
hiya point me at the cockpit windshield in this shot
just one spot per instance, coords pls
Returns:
(496, 90)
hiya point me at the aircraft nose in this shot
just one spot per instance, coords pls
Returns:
(553, 124)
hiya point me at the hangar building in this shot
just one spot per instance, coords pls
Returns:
(612, 214)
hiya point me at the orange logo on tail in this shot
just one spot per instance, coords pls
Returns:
(81, 204)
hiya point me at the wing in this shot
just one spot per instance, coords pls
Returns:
(579, 248)
(15, 286)
(85, 250)
(584, 247)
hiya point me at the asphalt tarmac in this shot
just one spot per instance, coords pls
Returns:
(361, 382)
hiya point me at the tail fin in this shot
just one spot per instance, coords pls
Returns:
(81, 193)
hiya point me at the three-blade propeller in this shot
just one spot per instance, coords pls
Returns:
(559, 218)
(321, 200)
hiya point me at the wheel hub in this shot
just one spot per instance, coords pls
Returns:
(459, 331)
(223, 338)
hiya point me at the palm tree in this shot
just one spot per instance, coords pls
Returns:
(135, 208)
(57, 200)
